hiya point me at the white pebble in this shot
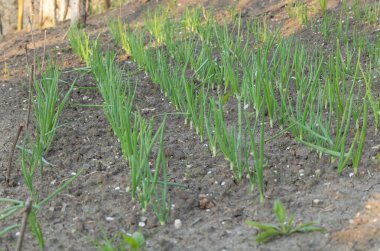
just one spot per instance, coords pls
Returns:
(109, 218)
(177, 224)
(317, 202)
(141, 224)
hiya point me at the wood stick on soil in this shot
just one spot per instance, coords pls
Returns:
(31, 9)
(30, 81)
(32, 74)
(8, 176)
(1, 27)
(43, 54)
(65, 35)
(34, 48)
(28, 208)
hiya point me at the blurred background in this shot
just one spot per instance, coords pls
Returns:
(44, 13)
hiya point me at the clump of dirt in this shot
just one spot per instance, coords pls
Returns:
(364, 228)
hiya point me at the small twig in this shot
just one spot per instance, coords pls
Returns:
(44, 52)
(27, 210)
(65, 35)
(30, 98)
(30, 81)
(32, 76)
(34, 48)
(8, 176)
(195, 221)
(31, 9)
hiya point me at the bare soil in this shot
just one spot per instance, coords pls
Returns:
(309, 186)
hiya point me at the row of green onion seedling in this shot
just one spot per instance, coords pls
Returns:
(137, 137)
(204, 114)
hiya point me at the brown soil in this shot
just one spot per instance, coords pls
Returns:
(212, 208)
(364, 228)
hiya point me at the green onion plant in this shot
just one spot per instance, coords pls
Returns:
(48, 104)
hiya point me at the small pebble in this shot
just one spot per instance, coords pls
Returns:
(316, 202)
(351, 175)
(223, 183)
(177, 224)
(141, 224)
(109, 218)
(117, 188)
